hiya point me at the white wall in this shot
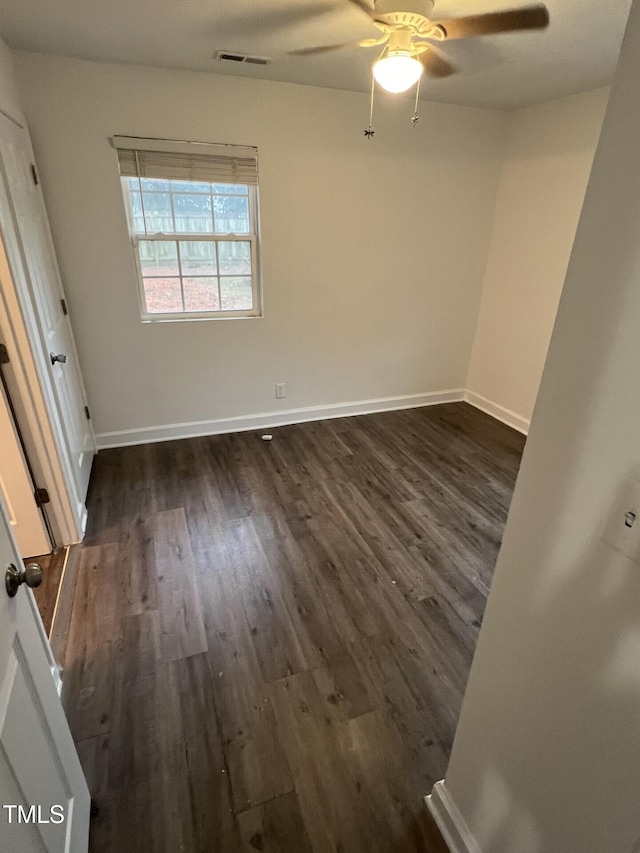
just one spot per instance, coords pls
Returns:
(547, 752)
(373, 252)
(548, 158)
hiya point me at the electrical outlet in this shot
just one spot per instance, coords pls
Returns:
(281, 390)
(622, 530)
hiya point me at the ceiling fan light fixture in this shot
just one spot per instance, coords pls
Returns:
(397, 71)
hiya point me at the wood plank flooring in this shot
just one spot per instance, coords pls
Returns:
(270, 641)
(46, 594)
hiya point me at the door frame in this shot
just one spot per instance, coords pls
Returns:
(32, 392)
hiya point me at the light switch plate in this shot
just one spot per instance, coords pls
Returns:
(622, 530)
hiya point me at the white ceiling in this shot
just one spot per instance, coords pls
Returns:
(578, 51)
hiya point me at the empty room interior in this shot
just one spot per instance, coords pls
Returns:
(320, 392)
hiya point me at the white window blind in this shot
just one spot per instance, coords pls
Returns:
(186, 161)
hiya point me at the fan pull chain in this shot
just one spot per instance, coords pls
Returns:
(369, 132)
(415, 118)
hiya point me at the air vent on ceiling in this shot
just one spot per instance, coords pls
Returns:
(229, 56)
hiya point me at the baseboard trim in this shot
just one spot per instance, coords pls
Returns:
(450, 822)
(67, 548)
(61, 623)
(498, 412)
(243, 423)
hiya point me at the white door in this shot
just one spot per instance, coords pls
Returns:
(35, 271)
(44, 800)
(17, 489)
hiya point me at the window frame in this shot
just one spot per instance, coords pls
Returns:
(252, 237)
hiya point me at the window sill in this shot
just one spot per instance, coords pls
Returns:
(185, 318)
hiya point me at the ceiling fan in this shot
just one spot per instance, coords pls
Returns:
(409, 33)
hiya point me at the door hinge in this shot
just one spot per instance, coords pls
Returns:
(87, 413)
(4, 354)
(65, 310)
(42, 497)
(34, 174)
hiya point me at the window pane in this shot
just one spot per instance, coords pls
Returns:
(158, 257)
(190, 187)
(193, 213)
(136, 212)
(162, 295)
(154, 185)
(235, 258)
(136, 204)
(231, 189)
(201, 294)
(232, 214)
(236, 293)
(157, 212)
(198, 257)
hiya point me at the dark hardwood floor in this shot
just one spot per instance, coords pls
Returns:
(47, 593)
(270, 641)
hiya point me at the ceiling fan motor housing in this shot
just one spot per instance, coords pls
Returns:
(394, 10)
(409, 15)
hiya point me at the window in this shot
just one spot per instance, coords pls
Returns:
(193, 218)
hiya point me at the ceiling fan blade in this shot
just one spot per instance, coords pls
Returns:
(511, 20)
(435, 64)
(364, 7)
(323, 48)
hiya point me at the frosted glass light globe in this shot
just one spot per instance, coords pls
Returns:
(397, 72)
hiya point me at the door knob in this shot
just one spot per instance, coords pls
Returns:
(61, 357)
(31, 575)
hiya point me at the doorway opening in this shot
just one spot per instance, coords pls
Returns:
(46, 439)
(27, 504)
